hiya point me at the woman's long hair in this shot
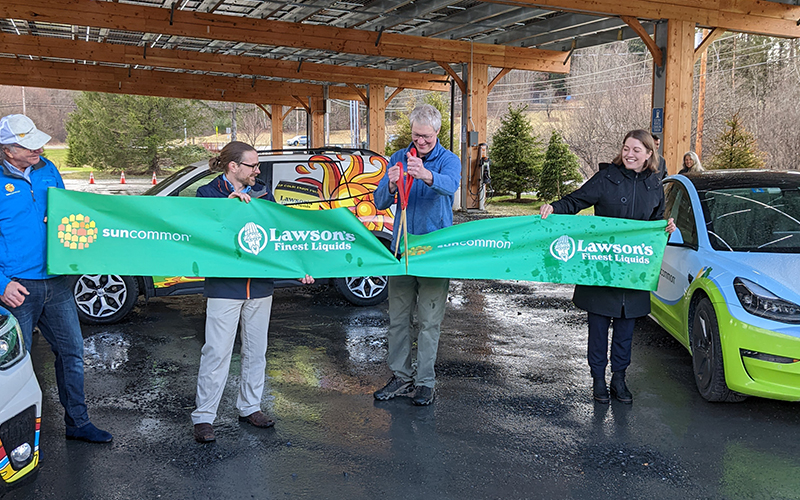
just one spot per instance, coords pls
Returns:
(645, 138)
(232, 152)
(697, 167)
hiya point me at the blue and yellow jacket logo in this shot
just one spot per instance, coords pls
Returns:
(77, 232)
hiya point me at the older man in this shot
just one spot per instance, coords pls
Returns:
(35, 297)
(436, 173)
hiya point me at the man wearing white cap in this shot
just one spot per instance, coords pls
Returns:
(33, 296)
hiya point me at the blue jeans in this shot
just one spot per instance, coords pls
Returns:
(51, 307)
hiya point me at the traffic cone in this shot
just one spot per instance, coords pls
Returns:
(122, 178)
(154, 181)
(91, 177)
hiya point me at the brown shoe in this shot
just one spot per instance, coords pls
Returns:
(204, 433)
(258, 419)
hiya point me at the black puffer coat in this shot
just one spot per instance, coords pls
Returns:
(615, 191)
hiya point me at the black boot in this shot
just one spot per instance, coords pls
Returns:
(619, 390)
(600, 390)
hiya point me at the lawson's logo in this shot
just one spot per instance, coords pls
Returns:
(564, 248)
(254, 239)
(77, 231)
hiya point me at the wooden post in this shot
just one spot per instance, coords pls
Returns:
(678, 99)
(478, 86)
(277, 126)
(317, 117)
(377, 118)
(701, 101)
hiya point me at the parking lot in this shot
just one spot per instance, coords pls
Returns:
(513, 417)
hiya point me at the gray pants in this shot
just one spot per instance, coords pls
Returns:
(429, 295)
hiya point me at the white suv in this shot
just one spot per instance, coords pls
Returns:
(316, 179)
(20, 407)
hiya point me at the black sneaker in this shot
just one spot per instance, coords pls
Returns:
(600, 391)
(395, 387)
(424, 396)
(619, 390)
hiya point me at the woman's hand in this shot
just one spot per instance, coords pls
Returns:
(545, 210)
(307, 280)
(671, 227)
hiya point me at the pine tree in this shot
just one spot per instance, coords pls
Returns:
(736, 147)
(516, 154)
(560, 170)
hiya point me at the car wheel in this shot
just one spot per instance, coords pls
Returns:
(363, 290)
(104, 298)
(709, 370)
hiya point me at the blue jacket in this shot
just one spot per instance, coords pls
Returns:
(23, 229)
(429, 207)
(235, 288)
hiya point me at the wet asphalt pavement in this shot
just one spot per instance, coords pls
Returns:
(513, 418)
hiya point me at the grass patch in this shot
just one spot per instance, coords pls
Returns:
(508, 206)
(57, 156)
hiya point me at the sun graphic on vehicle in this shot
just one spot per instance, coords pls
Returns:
(76, 232)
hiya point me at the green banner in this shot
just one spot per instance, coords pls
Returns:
(576, 249)
(208, 237)
(172, 236)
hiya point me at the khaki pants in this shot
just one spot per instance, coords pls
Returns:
(429, 295)
(222, 318)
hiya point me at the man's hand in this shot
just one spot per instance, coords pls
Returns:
(307, 280)
(545, 210)
(242, 196)
(417, 170)
(394, 176)
(14, 295)
(671, 227)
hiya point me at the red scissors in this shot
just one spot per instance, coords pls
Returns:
(404, 189)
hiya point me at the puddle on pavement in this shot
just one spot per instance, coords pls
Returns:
(105, 351)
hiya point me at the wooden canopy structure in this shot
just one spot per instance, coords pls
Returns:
(299, 53)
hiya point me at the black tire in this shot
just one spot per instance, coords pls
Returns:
(104, 298)
(709, 370)
(364, 290)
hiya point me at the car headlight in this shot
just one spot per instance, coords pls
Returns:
(12, 348)
(759, 301)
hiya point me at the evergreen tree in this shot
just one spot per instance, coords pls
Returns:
(736, 147)
(111, 131)
(403, 134)
(560, 170)
(516, 154)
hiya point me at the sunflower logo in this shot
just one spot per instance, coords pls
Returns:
(76, 232)
(9, 187)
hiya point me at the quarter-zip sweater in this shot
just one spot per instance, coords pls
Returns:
(23, 228)
(615, 191)
(236, 288)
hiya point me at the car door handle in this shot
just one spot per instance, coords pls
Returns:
(691, 278)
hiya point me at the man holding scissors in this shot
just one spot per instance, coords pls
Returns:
(430, 174)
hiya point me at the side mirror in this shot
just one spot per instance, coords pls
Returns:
(675, 238)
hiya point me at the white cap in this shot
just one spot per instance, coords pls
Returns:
(19, 129)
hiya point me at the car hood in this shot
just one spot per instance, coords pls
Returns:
(782, 268)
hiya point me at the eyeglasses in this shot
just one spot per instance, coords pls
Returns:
(254, 165)
(426, 138)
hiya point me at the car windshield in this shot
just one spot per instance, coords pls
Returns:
(753, 219)
(167, 183)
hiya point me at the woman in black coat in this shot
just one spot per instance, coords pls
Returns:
(629, 188)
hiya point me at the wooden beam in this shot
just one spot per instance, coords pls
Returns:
(40, 46)
(276, 132)
(707, 41)
(393, 95)
(454, 76)
(655, 51)
(291, 108)
(746, 16)
(143, 19)
(498, 77)
(265, 110)
(303, 104)
(360, 92)
(97, 78)
(317, 117)
(479, 91)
